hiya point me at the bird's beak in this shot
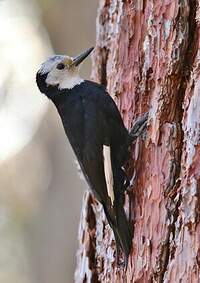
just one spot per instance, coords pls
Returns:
(78, 59)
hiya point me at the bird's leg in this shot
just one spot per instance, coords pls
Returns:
(123, 180)
(138, 127)
(126, 182)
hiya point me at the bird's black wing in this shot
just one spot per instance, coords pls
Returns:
(93, 142)
(84, 122)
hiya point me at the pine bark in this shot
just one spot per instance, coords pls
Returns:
(148, 57)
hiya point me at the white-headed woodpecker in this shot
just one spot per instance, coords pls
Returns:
(97, 135)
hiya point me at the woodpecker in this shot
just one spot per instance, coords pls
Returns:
(97, 134)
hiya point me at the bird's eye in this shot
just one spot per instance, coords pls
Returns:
(60, 66)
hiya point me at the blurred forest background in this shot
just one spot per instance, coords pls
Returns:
(40, 191)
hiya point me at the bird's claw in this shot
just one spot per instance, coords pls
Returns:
(139, 127)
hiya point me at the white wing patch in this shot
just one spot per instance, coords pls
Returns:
(108, 172)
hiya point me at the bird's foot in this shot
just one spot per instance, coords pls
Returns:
(126, 184)
(124, 180)
(139, 127)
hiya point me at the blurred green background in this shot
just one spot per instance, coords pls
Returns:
(40, 190)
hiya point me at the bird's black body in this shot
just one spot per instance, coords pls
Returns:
(91, 121)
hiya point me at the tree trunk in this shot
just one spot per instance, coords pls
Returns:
(147, 54)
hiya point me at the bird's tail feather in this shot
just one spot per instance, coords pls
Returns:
(111, 220)
(121, 228)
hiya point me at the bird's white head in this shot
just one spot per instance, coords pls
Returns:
(62, 71)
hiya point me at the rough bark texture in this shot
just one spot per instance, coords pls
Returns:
(148, 56)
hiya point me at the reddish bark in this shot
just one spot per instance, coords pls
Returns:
(148, 56)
